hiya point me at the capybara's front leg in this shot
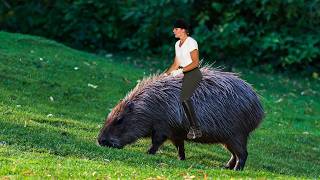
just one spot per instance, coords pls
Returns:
(180, 147)
(157, 140)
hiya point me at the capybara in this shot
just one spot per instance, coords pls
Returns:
(226, 107)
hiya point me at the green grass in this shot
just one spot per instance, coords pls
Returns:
(50, 117)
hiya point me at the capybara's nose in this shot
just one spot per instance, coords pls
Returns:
(102, 141)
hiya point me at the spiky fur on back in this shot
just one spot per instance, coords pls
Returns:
(226, 106)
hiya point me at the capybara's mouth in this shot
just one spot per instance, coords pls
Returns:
(113, 146)
(110, 145)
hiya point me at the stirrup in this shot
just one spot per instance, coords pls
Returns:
(194, 133)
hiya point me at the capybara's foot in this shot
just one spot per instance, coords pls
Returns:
(152, 150)
(231, 163)
(194, 133)
(238, 168)
(241, 162)
(228, 166)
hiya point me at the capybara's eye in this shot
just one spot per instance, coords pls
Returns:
(119, 121)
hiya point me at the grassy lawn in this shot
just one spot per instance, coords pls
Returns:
(54, 99)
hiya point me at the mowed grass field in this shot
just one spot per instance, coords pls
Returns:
(54, 99)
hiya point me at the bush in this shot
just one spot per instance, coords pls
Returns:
(281, 35)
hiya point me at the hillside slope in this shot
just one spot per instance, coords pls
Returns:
(53, 101)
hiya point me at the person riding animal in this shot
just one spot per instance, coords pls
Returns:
(186, 61)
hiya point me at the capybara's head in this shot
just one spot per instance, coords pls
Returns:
(122, 126)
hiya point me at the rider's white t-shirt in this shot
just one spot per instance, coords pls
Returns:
(183, 53)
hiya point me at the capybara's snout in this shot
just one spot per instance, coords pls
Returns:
(109, 142)
(102, 141)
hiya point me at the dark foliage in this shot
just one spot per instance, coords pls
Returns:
(280, 35)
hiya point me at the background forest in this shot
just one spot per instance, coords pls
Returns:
(276, 35)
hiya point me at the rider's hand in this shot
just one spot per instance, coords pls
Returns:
(176, 72)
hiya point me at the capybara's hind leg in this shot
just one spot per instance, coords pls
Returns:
(241, 160)
(157, 140)
(180, 147)
(233, 159)
(238, 147)
(232, 162)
